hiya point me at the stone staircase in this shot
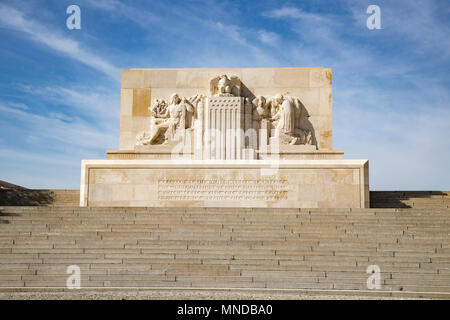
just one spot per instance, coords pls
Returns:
(326, 250)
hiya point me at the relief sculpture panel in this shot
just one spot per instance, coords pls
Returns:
(250, 122)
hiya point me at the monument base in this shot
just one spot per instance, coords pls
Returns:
(331, 183)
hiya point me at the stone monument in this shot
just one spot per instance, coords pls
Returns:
(226, 138)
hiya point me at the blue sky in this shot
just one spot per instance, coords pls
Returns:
(60, 88)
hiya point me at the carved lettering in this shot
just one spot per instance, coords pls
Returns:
(223, 190)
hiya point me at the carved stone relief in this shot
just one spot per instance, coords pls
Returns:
(280, 116)
(225, 86)
(170, 119)
(285, 114)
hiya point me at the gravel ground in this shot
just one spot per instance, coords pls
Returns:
(182, 295)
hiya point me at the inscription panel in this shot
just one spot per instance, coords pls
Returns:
(220, 190)
(145, 183)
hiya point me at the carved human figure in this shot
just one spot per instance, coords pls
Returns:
(159, 109)
(284, 114)
(178, 112)
(168, 120)
(259, 110)
(259, 114)
(274, 107)
(159, 112)
(287, 123)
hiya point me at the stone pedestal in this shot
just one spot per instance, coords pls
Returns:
(236, 183)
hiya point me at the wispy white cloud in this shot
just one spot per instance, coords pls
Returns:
(414, 22)
(99, 103)
(268, 37)
(233, 39)
(293, 13)
(284, 12)
(21, 106)
(50, 127)
(48, 145)
(231, 31)
(15, 19)
(318, 35)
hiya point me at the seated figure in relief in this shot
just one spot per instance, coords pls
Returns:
(285, 113)
(169, 120)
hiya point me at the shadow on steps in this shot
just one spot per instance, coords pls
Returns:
(409, 199)
(6, 214)
(26, 197)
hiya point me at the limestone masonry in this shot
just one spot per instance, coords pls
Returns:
(226, 138)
